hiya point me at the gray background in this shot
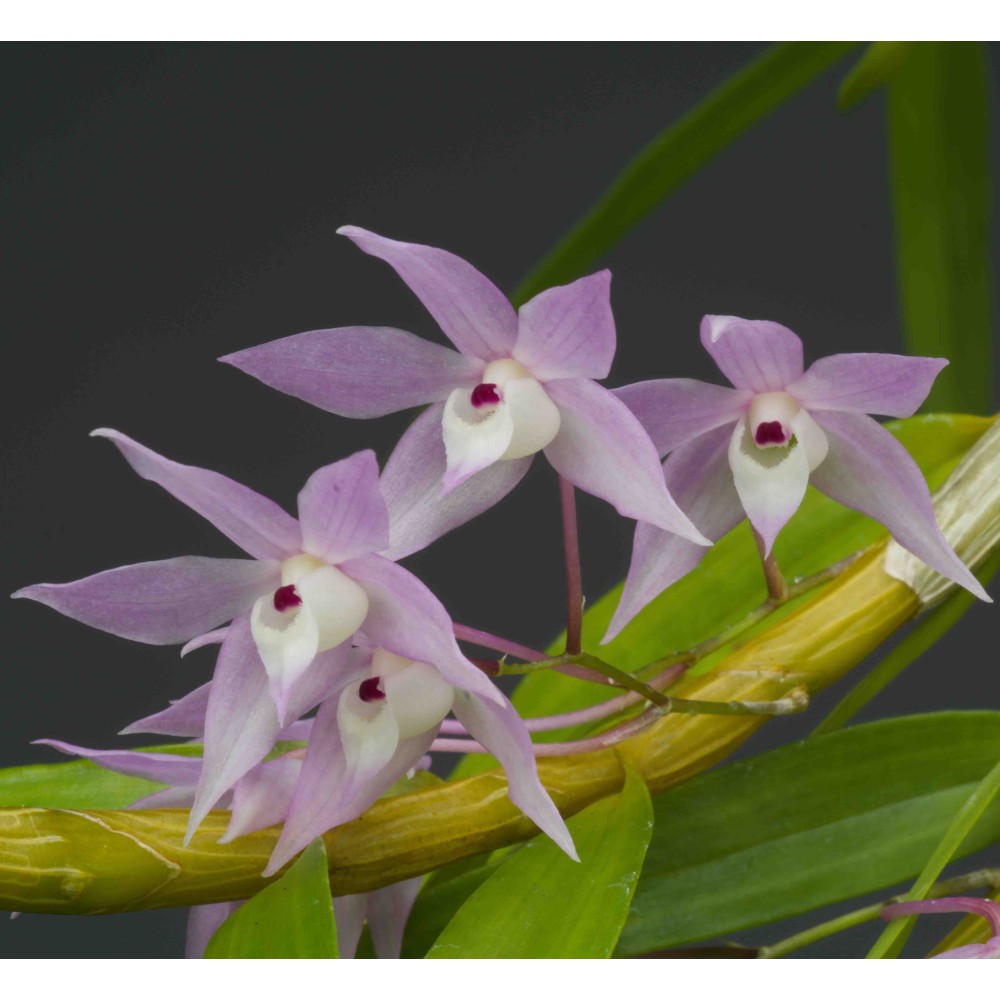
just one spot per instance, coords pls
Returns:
(162, 205)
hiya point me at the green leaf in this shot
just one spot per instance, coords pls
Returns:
(939, 138)
(291, 918)
(680, 151)
(79, 784)
(728, 584)
(540, 904)
(880, 62)
(965, 821)
(809, 824)
(933, 626)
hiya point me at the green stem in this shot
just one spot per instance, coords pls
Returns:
(925, 634)
(892, 939)
(986, 878)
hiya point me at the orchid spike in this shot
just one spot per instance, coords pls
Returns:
(313, 584)
(521, 382)
(750, 451)
(986, 908)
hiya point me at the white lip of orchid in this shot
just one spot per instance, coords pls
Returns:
(400, 700)
(777, 420)
(519, 402)
(316, 608)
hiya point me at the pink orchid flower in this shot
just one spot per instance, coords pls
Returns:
(956, 904)
(750, 451)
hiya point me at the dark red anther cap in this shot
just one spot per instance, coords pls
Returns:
(485, 394)
(770, 432)
(371, 690)
(286, 597)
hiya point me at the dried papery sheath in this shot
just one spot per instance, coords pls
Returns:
(968, 511)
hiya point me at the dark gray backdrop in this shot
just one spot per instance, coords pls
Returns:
(166, 204)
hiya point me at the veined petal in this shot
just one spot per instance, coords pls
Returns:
(184, 717)
(568, 331)
(203, 922)
(405, 618)
(171, 797)
(166, 768)
(349, 913)
(676, 410)
(257, 525)
(602, 448)
(868, 470)
(473, 313)
(241, 723)
(753, 354)
(388, 911)
(989, 949)
(701, 481)
(342, 512)
(473, 438)
(213, 638)
(771, 482)
(323, 798)
(262, 796)
(890, 384)
(161, 602)
(501, 730)
(359, 371)
(411, 485)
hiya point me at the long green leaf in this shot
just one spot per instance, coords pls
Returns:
(291, 918)
(932, 627)
(680, 151)
(942, 191)
(879, 64)
(809, 824)
(540, 904)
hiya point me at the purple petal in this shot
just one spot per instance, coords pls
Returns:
(405, 618)
(474, 314)
(699, 477)
(185, 717)
(411, 485)
(349, 913)
(676, 410)
(889, 384)
(166, 768)
(388, 911)
(171, 798)
(161, 602)
(991, 949)
(342, 512)
(359, 371)
(257, 525)
(262, 796)
(753, 354)
(501, 730)
(323, 799)
(602, 448)
(568, 331)
(203, 922)
(868, 470)
(241, 723)
(213, 638)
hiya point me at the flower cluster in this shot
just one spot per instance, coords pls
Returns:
(322, 617)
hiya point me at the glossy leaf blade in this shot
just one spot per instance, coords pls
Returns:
(680, 151)
(942, 191)
(291, 918)
(540, 904)
(807, 825)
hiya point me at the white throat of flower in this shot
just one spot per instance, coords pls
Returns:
(317, 607)
(399, 700)
(508, 415)
(772, 451)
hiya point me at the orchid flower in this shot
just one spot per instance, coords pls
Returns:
(750, 451)
(260, 799)
(312, 584)
(956, 904)
(521, 382)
